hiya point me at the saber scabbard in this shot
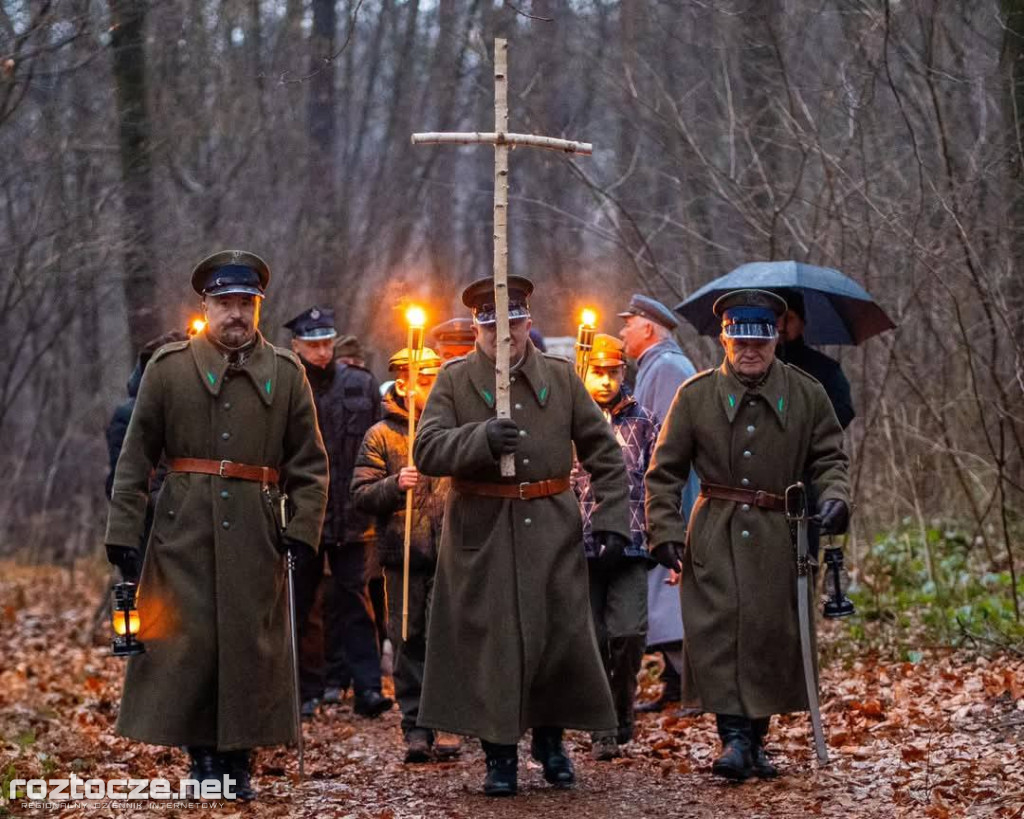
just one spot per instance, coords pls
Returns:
(796, 513)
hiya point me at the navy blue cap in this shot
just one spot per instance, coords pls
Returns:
(652, 310)
(313, 324)
(479, 297)
(231, 271)
(749, 313)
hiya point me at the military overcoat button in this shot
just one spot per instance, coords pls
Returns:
(746, 507)
(225, 435)
(746, 453)
(225, 494)
(226, 524)
(745, 481)
(750, 428)
(744, 533)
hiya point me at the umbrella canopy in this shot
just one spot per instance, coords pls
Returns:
(838, 310)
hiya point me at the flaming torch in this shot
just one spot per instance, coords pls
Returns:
(416, 318)
(585, 341)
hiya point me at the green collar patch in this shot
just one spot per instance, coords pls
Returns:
(211, 377)
(267, 386)
(732, 400)
(488, 397)
(543, 394)
(781, 402)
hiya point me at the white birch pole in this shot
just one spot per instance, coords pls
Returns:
(501, 139)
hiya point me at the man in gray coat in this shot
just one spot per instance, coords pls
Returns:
(663, 367)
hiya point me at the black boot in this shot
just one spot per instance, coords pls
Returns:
(418, 742)
(371, 703)
(239, 767)
(735, 762)
(763, 767)
(502, 769)
(546, 747)
(205, 764)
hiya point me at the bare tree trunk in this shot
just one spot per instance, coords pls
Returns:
(127, 42)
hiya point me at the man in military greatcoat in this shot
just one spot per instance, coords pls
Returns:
(750, 428)
(233, 418)
(346, 398)
(510, 642)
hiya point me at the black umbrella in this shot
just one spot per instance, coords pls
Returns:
(838, 310)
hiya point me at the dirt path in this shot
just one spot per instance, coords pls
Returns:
(940, 738)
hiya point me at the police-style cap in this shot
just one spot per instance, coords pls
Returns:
(749, 313)
(231, 271)
(479, 297)
(607, 351)
(314, 324)
(429, 362)
(651, 309)
(454, 331)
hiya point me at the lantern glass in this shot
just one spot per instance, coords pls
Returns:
(118, 620)
(126, 622)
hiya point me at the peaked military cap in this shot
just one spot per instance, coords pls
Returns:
(348, 347)
(429, 362)
(650, 309)
(231, 271)
(314, 324)
(749, 313)
(479, 297)
(453, 331)
(607, 351)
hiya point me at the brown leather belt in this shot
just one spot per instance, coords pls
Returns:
(763, 500)
(266, 475)
(527, 490)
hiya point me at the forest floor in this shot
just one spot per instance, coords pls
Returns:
(943, 737)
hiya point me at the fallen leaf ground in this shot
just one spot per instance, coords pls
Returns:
(943, 737)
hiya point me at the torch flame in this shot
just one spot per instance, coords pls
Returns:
(198, 325)
(416, 316)
(589, 318)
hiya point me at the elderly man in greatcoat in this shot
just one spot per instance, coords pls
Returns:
(750, 429)
(510, 644)
(233, 419)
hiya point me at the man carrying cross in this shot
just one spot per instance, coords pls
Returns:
(510, 643)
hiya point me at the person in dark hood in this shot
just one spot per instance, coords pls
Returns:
(346, 406)
(118, 426)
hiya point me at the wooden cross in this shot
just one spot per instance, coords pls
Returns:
(501, 140)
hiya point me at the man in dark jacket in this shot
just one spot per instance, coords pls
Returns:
(118, 426)
(618, 582)
(380, 484)
(346, 406)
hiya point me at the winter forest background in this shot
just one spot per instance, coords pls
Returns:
(879, 137)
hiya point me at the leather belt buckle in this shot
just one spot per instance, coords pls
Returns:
(522, 490)
(223, 466)
(759, 499)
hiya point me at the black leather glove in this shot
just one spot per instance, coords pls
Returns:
(127, 559)
(502, 436)
(611, 547)
(303, 551)
(669, 555)
(834, 517)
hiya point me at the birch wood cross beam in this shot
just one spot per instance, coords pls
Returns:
(501, 139)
